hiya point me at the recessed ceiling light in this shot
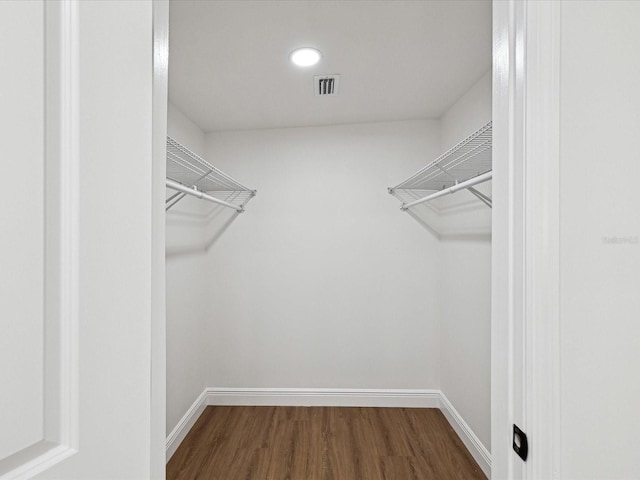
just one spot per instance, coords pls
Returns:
(305, 57)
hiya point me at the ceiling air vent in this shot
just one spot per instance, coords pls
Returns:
(325, 85)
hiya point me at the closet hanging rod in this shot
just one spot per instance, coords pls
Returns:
(196, 193)
(460, 186)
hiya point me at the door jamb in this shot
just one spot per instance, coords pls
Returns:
(526, 237)
(158, 175)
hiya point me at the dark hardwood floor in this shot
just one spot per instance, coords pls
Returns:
(322, 443)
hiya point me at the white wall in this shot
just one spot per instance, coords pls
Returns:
(186, 285)
(600, 201)
(323, 282)
(468, 113)
(465, 374)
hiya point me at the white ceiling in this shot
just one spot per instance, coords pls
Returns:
(229, 66)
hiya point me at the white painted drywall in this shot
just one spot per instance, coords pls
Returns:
(186, 285)
(22, 220)
(468, 113)
(465, 288)
(323, 282)
(115, 148)
(600, 250)
(182, 129)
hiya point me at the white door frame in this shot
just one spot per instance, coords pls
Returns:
(525, 266)
(158, 304)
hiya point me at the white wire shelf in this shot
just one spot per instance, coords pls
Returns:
(461, 167)
(190, 174)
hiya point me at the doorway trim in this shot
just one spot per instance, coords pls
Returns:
(525, 365)
(526, 237)
(158, 373)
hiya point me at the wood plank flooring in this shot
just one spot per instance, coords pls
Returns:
(322, 443)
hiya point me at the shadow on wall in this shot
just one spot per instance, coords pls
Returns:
(219, 226)
(460, 217)
(194, 229)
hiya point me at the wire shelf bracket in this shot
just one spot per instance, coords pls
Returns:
(460, 168)
(189, 174)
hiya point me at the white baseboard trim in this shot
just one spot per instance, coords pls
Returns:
(332, 397)
(476, 448)
(323, 397)
(185, 424)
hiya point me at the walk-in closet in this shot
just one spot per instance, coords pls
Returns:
(328, 240)
(319, 240)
